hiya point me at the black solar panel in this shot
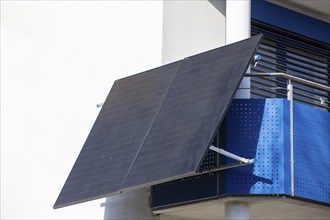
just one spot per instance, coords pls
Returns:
(117, 135)
(157, 126)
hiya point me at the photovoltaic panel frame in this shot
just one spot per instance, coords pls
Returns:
(157, 126)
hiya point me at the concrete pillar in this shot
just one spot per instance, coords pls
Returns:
(129, 205)
(238, 27)
(238, 20)
(237, 210)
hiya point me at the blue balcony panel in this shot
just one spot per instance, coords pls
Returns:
(259, 128)
(312, 153)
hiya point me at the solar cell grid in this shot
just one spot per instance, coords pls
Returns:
(157, 126)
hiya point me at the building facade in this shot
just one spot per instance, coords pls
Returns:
(284, 182)
(59, 59)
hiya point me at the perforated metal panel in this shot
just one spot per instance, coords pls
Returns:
(259, 129)
(312, 153)
(193, 188)
(190, 188)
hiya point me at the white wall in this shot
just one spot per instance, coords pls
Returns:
(191, 27)
(58, 60)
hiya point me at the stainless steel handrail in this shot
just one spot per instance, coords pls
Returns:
(293, 78)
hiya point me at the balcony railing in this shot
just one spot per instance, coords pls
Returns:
(275, 85)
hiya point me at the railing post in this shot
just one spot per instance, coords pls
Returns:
(290, 98)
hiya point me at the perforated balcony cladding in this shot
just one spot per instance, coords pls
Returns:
(156, 126)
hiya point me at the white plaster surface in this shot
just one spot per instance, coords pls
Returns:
(58, 60)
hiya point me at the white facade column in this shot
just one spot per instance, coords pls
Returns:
(129, 205)
(191, 27)
(238, 27)
(238, 20)
(237, 210)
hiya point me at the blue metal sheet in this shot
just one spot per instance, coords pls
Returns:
(259, 129)
(312, 153)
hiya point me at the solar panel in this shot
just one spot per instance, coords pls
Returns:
(188, 119)
(116, 136)
(157, 126)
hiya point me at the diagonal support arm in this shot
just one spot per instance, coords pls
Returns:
(231, 155)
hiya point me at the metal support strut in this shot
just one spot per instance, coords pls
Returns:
(231, 155)
(241, 161)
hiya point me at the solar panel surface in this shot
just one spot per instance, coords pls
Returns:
(116, 136)
(157, 125)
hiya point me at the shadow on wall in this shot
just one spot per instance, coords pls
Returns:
(219, 5)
